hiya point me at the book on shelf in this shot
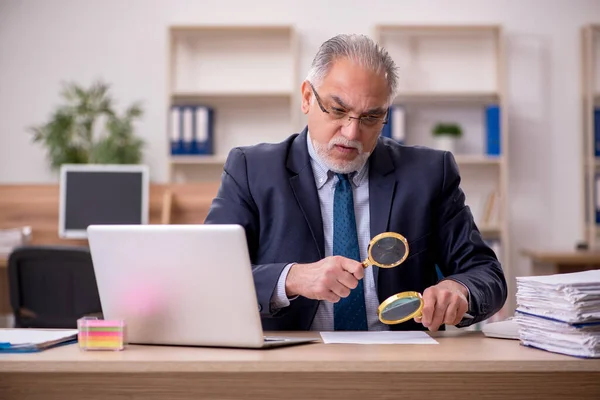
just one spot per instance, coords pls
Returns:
(489, 215)
(191, 130)
(597, 132)
(395, 127)
(493, 130)
(490, 209)
(597, 197)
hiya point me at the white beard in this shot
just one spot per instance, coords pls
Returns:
(341, 166)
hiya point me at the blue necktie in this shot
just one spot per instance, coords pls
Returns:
(349, 314)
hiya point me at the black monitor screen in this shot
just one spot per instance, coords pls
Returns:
(102, 198)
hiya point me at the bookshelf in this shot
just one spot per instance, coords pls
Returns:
(590, 102)
(246, 74)
(453, 74)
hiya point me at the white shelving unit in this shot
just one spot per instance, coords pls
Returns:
(590, 90)
(449, 74)
(247, 75)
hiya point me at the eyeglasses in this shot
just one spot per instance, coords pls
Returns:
(343, 118)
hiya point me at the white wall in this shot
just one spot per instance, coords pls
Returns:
(45, 42)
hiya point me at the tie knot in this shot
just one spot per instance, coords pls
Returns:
(342, 177)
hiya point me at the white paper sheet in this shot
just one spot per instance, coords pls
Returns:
(584, 279)
(20, 337)
(405, 337)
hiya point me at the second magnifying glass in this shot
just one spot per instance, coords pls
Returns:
(388, 250)
(401, 307)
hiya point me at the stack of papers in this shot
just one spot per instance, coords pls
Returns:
(560, 313)
(32, 340)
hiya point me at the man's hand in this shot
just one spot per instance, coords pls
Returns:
(444, 303)
(328, 279)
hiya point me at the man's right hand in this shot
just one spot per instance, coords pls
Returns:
(328, 279)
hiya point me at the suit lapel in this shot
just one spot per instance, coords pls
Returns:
(382, 185)
(303, 185)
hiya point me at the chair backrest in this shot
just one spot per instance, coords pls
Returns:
(52, 286)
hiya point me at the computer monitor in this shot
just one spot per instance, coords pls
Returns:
(95, 194)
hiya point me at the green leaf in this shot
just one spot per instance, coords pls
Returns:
(86, 128)
(447, 129)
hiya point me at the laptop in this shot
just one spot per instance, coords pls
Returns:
(187, 285)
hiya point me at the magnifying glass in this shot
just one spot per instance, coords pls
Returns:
(401, 307)
(387, 250)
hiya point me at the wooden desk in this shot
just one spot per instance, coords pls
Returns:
(463, 365)
(544, 262)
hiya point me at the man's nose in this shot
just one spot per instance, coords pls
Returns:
(351, 130)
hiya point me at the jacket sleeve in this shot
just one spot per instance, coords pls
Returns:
(234, 204)
(463, 255)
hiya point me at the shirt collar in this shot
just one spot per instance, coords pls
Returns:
(323, 174)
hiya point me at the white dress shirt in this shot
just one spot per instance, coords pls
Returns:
(325, 182)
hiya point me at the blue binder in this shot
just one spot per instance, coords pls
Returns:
(597, 132)
(386, 131)
(202, 139)
(188, 116)
(191, 130)
(493, 129)
(395, 126)
(596, 197)
(176, 130)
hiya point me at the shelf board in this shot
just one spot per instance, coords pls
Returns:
(218, 159)
(225, 95)
(277, 29)
(437, 29)
(594, 164)
(490, 231)
(198, 159)
(447, 97)
(593, 229)
(476, 159)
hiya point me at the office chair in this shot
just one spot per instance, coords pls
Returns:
(52, 286)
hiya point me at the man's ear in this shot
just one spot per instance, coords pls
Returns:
(306, 97)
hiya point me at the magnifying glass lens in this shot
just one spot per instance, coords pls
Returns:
(401, 308)
(388, 251)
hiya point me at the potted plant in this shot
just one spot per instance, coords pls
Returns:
(445, 136)
(87, 129)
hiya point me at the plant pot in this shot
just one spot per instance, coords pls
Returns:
(445, 142)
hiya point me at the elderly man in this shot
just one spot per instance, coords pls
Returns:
(311, 204)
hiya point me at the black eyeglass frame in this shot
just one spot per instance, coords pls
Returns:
(360, 119)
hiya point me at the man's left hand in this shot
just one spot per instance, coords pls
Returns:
(444, 303)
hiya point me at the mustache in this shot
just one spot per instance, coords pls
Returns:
(342, 141)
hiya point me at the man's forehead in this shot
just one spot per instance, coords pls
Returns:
(353, 100)
(363, 92)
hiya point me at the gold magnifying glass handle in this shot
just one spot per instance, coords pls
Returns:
(366, 263)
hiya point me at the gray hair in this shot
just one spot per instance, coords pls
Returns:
(358, 48)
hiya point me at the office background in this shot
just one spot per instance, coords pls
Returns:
(43, 43)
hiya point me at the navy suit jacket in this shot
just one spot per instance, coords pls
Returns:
(269, 189)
